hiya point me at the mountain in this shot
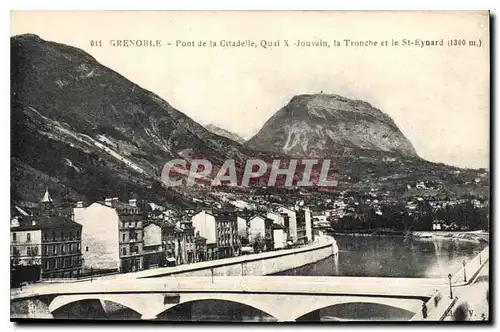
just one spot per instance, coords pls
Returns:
(225, 133)
(87, 132)
(325, 125)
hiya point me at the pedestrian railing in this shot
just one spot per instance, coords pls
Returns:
(471, 268)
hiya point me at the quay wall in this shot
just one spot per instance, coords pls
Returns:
(252, 265)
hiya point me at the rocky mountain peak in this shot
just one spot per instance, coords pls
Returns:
(323, 125)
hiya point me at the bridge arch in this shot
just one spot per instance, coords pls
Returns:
(408, 307)
(135, 304)
(249, 307)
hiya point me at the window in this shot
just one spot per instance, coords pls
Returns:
(124, 237)
(71, 235)
(47, 265)
(44, 250)
(54, 249)
(78, 235)
(62, 248)
(86, 249)
(14, 237)
(54, 236)
(124, 251)
(28, 237)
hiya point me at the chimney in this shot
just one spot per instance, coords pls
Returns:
(33, 222)
(108, 201)
(79, 204)
(132, 202)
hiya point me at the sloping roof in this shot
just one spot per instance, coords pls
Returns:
(209, 212)
(44, 222)
(21, 211)
(258, 215)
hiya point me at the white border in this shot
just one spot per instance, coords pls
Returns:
(6, 6)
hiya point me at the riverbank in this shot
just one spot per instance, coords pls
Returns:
(471, 236)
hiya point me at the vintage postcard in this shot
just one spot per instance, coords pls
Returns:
(250, 166)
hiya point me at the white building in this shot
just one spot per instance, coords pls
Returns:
(100, 236)
(279, 237)
(308, 217)
(25, 243)
(204, 222)
(276, 217)
(292, 222)
(242, 226)
(257, 225)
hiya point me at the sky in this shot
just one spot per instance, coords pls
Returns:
(437, 96)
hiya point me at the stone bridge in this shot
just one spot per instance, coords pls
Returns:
(283, 298)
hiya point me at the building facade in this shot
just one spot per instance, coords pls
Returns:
(47, 243)
(113, 236)
(228, 242)
(304, 226)
(190, 246)
(256, 228)
(100, 236)
(154, 255)
(204, 223)
(169, 242)
(292, 223)
(201, 248)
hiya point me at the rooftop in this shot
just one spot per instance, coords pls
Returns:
(44, 222)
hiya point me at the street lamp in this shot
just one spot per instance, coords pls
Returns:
(451, 291)
(465, 275)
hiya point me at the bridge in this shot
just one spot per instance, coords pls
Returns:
(271, 295)
(281, 298)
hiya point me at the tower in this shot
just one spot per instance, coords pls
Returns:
(46, 203)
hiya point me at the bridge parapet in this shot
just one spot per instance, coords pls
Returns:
(409, 287)
(471, 268)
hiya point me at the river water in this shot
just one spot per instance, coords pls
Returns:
(393, 256)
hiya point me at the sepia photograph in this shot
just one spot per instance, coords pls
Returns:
(250, 166)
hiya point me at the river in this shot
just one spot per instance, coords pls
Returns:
(393, 256)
